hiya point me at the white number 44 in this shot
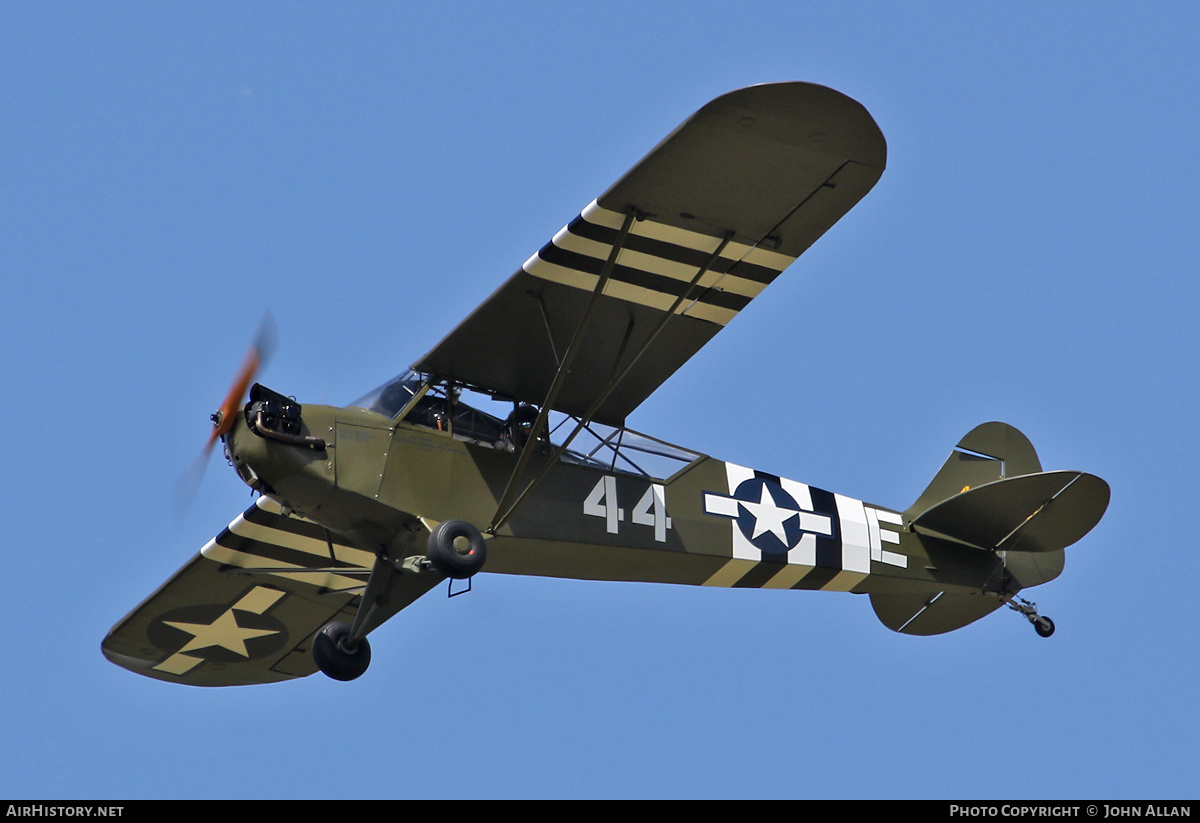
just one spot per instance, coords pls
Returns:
(651, 510)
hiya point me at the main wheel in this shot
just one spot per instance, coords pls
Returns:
(333, 655)
(1044, 626)
(456, 549)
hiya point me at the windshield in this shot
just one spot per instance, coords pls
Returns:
(392, 396)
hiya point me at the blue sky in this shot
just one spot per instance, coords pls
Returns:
(371, 171)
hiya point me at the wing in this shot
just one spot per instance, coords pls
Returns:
(722, 206)
(245, 608)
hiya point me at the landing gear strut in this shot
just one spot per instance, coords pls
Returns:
(456, 549)
(1044, 626)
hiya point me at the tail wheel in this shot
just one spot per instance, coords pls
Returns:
(456, 549)
(335, 654)
(1044, 626)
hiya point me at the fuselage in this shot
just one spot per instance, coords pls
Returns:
(381, 482)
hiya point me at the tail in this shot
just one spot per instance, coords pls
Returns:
(992, 495)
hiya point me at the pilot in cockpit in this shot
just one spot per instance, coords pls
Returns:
(519, 426)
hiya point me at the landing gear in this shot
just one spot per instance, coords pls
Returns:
(456, 549)
(337, 656)
(1044, 626)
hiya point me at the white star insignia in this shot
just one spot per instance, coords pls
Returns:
(223, 632)
(768, 515)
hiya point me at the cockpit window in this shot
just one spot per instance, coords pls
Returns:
(437, 405)
(624, 450)
(392, 396)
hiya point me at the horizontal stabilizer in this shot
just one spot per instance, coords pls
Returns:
(1042, 512)
(925, 613)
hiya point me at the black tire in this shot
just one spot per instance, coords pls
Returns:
(332, 657)
(457, 549)
(1044, 626)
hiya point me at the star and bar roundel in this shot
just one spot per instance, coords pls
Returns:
(773, 518)
(782, 521)
(223, 633)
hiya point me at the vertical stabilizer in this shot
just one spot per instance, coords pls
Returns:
(988, 452)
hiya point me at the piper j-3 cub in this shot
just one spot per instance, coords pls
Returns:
(363, 509)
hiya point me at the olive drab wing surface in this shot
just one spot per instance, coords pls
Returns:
(504, 448)
(715, 212)
(245, 608)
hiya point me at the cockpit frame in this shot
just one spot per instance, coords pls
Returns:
(423, 400)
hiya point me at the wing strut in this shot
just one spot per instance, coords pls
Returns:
(564, 368)
(502, 513)
(549, 333)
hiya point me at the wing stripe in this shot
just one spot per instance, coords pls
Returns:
(595, 213)
(264, 521)
(629, 292)
(656, 265)
(668, 286)
(263, 538)
(691, 256)
(293, 525)
(243, 560)
(660, 266)
(313, 545)
(282, 554)
(266, 513)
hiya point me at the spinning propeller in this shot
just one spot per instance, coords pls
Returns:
(225, 416)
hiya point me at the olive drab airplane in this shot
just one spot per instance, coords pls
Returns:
(363, 509)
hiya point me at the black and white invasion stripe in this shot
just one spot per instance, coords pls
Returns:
(261, 538)
(657, 264)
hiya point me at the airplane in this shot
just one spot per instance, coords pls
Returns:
(363, 509)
